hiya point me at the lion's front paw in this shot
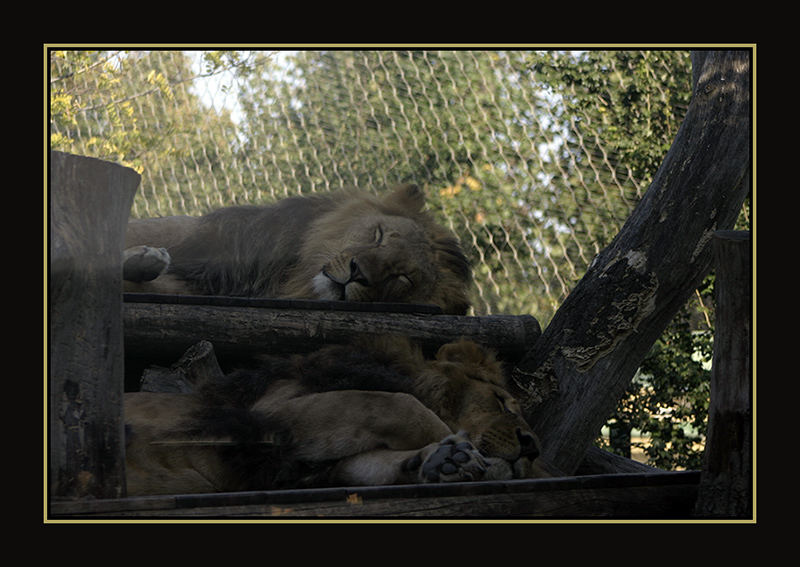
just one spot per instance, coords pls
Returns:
(144, 263)
(453, 459)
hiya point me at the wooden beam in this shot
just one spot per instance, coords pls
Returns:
(157, 330)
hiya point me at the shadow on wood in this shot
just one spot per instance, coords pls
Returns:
(639, 496)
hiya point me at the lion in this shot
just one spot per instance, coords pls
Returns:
(346, 245)
(340, 416)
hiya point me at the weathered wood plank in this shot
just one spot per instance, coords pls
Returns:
(649, 495)
(89, 205)
(157, 328)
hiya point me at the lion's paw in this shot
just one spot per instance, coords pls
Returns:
(453, 459)
(144, 263)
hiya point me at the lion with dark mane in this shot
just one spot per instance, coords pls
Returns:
(381, 414)
(350, 246)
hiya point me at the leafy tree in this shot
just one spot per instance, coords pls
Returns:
(92, 108)
(135, 108)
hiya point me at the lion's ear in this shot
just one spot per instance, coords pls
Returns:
(408, 197)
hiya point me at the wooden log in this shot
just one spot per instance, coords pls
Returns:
(625, 496)
(158, 329)
(726, 489)
(587, 356)
(197, 365)
(262, 302)
(599, 461)
(90, 202)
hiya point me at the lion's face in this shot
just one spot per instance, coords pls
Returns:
(475, 400)
(379, 258)
(386, 250)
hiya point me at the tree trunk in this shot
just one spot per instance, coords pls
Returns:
(576, 373)
(90, 201)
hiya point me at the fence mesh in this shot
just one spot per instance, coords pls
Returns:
(535, 159)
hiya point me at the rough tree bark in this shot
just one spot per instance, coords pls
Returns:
(576, 373)
(155, 329)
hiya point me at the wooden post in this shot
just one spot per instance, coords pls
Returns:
(90, 202)
(726, 489)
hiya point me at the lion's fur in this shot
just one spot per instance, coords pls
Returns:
(341, 415)
(342, 245)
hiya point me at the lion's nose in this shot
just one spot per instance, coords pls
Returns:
(528, 446)
(357, 274)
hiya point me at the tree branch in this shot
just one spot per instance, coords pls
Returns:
(587, 356)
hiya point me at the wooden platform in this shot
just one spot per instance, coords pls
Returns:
(659, 496)
(89, 326)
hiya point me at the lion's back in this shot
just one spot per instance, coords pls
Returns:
(248, 250)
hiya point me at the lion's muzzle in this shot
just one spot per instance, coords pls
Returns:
(365, 275)
(332, 282)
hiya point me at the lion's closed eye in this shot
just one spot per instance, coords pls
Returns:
(404, 281)
(508, 405)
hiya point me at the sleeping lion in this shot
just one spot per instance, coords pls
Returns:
(350, 246)
(341, 416)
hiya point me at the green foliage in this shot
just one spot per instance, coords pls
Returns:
(629, 103)
(85, 85)
(133, 108)
(668, 399)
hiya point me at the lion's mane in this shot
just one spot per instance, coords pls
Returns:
(311, 246)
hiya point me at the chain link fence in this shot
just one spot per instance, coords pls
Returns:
(535, 159)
